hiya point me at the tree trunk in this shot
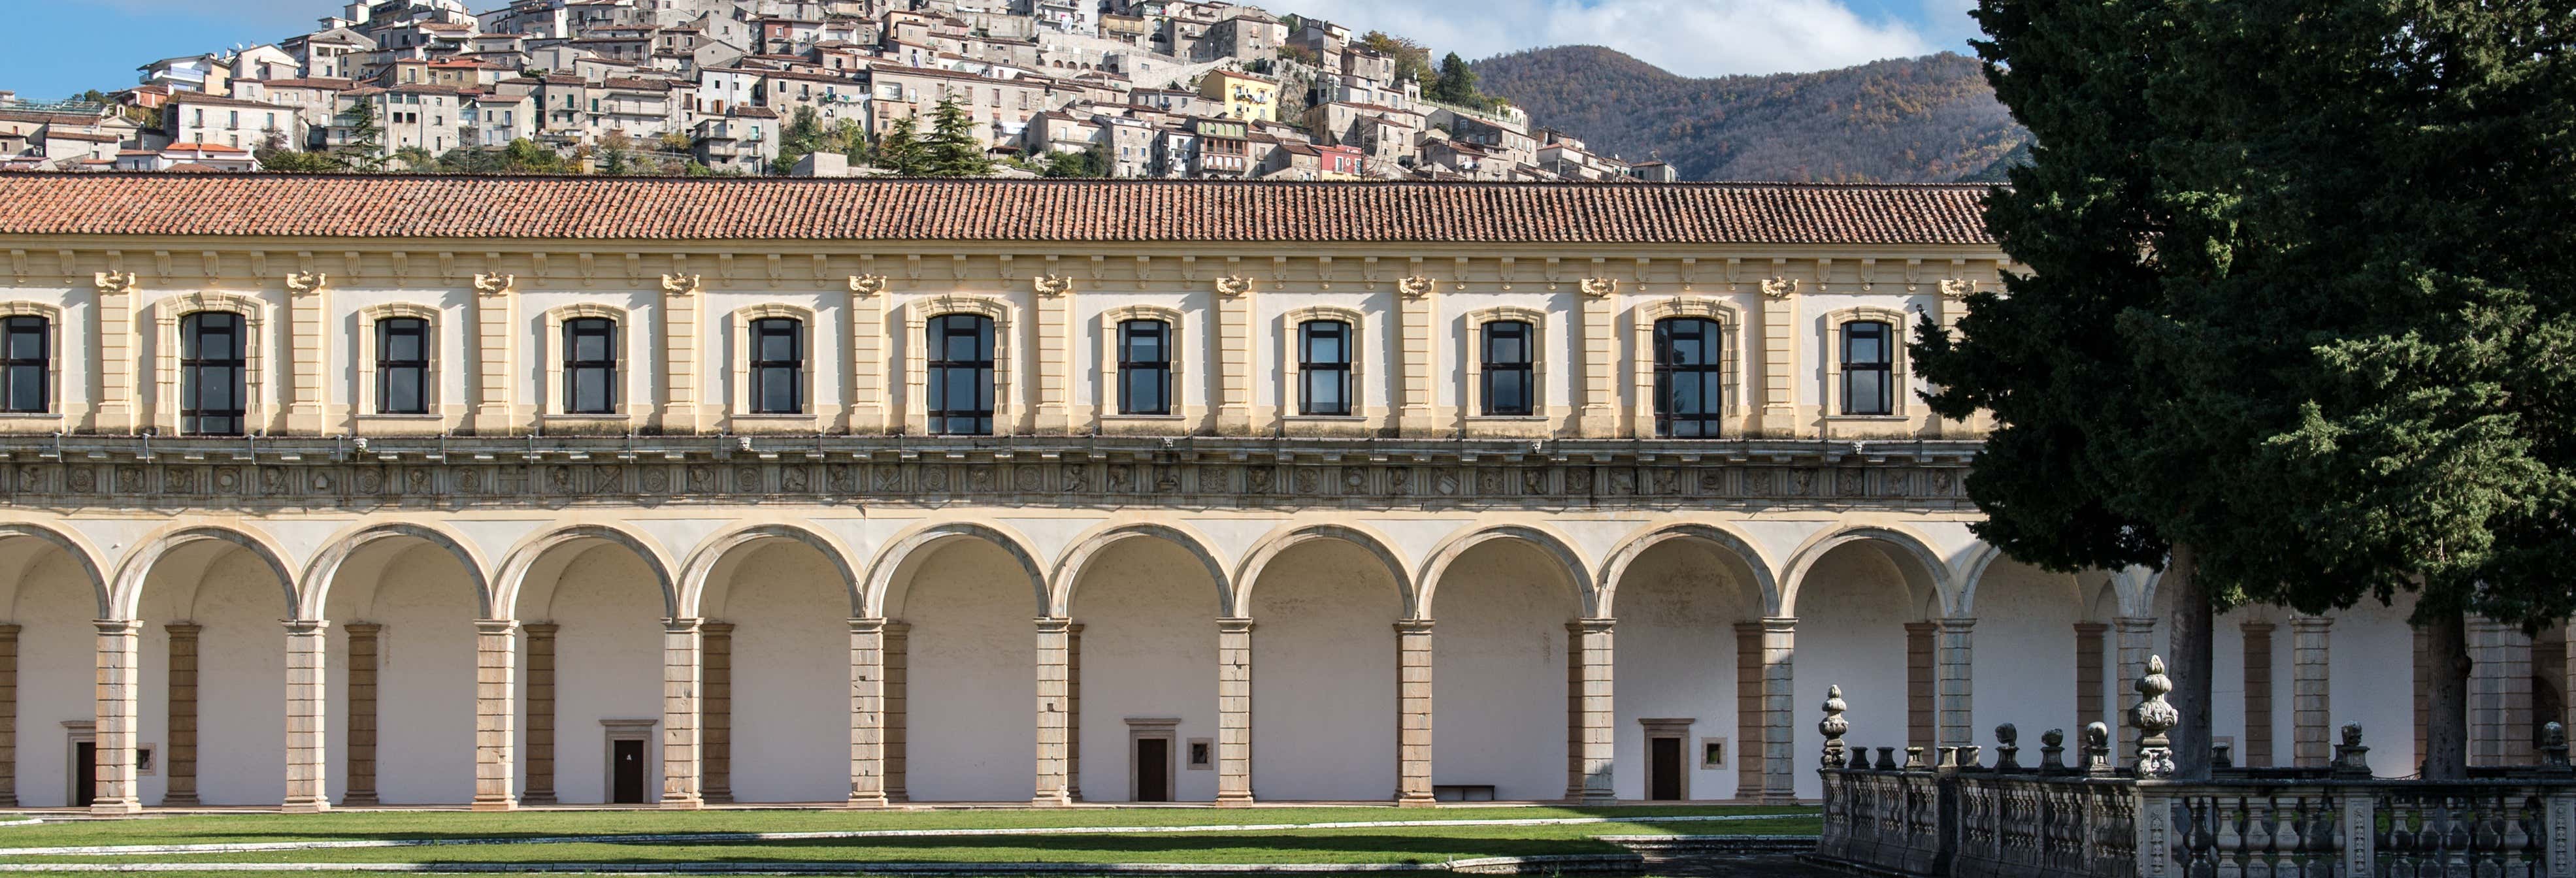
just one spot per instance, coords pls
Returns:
(2188, 666)
(2446, 713)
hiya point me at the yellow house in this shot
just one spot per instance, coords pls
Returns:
(1244, 96)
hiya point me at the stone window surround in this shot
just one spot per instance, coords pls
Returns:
(1730, 326)
(1107, 383)
(259, 407)
(368, 356)
(53, 356)
(1675, 728)
(550, 353)
(1898, 365)
(916, 357)
(1542, 407)
(740, 363)
(1291, 397)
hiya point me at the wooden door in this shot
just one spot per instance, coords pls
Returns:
(84, 774)
(1153, 770)
(627, 772)
(1664, 769)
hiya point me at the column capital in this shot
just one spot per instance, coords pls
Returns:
(1780, 623)
(897, 627)
(307, 626)
(541, 629)
(496, 626)
(2091, 627)
(363, 627)
(2256, 625)
(1054, 624)
(2304, 622)
(1233, 625)
(8, 629)
(1592, 625)
(681, 624)
(2134, 624)
(1413, 626)
(1956, 623)
(118, 627)
(716, 628)
(867, 625)
(187, 629)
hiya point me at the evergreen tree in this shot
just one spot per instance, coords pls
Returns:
(952, 149)
(899, 152)
(362, 143)
(1456, 83)
(2300, 316)
(287, 161)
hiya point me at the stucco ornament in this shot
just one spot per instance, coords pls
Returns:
(1600, 287)
(306, 282)
(2153, 717)
(1233, 286)
(1415, 287)
(680, 284)
(1051, 286)
(867, 284)
(1778, 287)
(1957, 288)
(114, 282)
(495, 284)
(1833, 725)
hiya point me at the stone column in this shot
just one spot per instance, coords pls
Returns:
(1590, 647)
(1779, 648)
(715, 653)
(309, 353)
(1235, 345)
(541, 713)
(179, 752)
(120, 677)
(308, 790)
(1416, 344)
(2256, 750)
(1413, 712)
(361, 748)
(2088, 674)
(1956, 687)
(898, 723)
(496, 369)
(496, 712)
(2310, 707)
(1073, 712)
(680, 379)
(1749, 713)
(1054, 376)
(867, 713)
(1600, 353)
(1053, 718)
(1779, 355)
(682, 689)
(2499, 694)
(8, 716)
(1234, 712)
(2136, 640)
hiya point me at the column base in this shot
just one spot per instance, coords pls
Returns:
(1415, 801)
(538, 798)
(1234, 800)
(115, 807)
(179, 800)
(1055, 801)
(504, 803)
(873, 800)
(691, 803)
(1589, 798)
(305, 806)
(358, 800)
(719, 797)
(1779, 798)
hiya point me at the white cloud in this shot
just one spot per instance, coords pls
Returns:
(1689, 37)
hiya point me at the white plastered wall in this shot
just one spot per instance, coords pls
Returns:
(1148, 614)
(1499, 672)
(2022, 658)
(353, 333)
(425, 671)
(1454, 344)
(1852, 612)
(1323, 675)
(1677, 607)
(241, 670)
(57, 673)
(791, 672)
(608, 665)
(971, 695)
(1373, 358)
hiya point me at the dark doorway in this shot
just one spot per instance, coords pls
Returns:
(626, 772)
(84, 774)
(1664, 769)
(1153, 770)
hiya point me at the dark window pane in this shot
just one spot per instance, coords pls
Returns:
(26, 389)
(402, 391)
(1690, 378)
(960, 383)
(26, 338)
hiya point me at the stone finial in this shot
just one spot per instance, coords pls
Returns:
(2097, 750)
(681, 284)
(1600, 287)
(304, 282)
(1859, 759)
(2351, 759)
(1834, 726)
(495, 284)
(1779, 287)
(2052, 751)
(1914, 759)
(1414, 287)
(2553, 746)
(2007, 748)
(2222, 755)
(2154, 717)
(111, 283)
(1233, 286)
(867, 284)
(1050, 285)
(1886, 759)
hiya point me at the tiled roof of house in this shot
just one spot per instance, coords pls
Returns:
(983, 210)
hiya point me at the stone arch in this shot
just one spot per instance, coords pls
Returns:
(512, 581)
(1981, 556)
(80, 553)
(1724, 537)
(326, 564)
(1910, 547)
(881, 571)
(126, 594)
(1579, 574)
(1068, 570)
(1249, 572)
(702, 562)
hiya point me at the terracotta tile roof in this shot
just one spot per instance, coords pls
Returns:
(984, 210)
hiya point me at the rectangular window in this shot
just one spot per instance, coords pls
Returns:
(1506, 368)
(27, 346)
(1868, 358)
(1690, 389)
(212, 369)
(1324, 367)
(1145, 367)
(590, 366)
(402, 366)
(961, 375)
(777, 366)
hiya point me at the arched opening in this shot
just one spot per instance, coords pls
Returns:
(2028, 655)
(402, 673)
(1499, 669)
(213, 697)
(1689, 648)
(965, 604)
(1324, 674)
(1865, 610)
(1145, 667)
(591, 649)
(776, 652)
(51, 595)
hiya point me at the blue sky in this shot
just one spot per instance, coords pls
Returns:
(56, 48)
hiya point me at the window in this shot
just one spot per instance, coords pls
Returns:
(1144, 367)
(1690, 389)
(590, 366)
(1324, 367)
(1867, 360)
(211, 374)
(777, 366)
(961, 374)
(27, 359)
(402, 366)
(1507, 368)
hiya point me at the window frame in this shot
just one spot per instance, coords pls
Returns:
(798, 333)
(1308, 366)
(383, 364)
(191, 373)
(1165, 334)
(1885, 367)
(939, 332)
(571, 329)
(1711, 419)
(1829, 340)
(49, 325)
(1487, 367)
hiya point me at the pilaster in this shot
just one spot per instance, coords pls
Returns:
(1779, 647)
(1750, 721)
(2088, 674)
(1417, 346)
(496, 709)
(2499, 694)
(1233, 712)
(1053, 715)
(2311, 709)
(1600, 352)
(360, 749)
(2256, 750)
(682, 682)
(2136, 636)
(1957, 687)
(8, 716)
(867, 713)
(715, 653)
(1779, 361)
(113, 360)
(179, 713)
(1413, 712)
(1055, 360)
(1235, 348)
(681, 375)
(898, 723)
(496, 367)
(867, 410)
(1922, 684)
(1073, 711)
(1593, 748)
(119, 679)
(541, 713)
(307, 754)
(308, 336)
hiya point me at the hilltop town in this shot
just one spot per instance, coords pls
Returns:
(1087, 88)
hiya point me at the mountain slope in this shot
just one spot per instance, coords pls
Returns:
(1905, 120)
